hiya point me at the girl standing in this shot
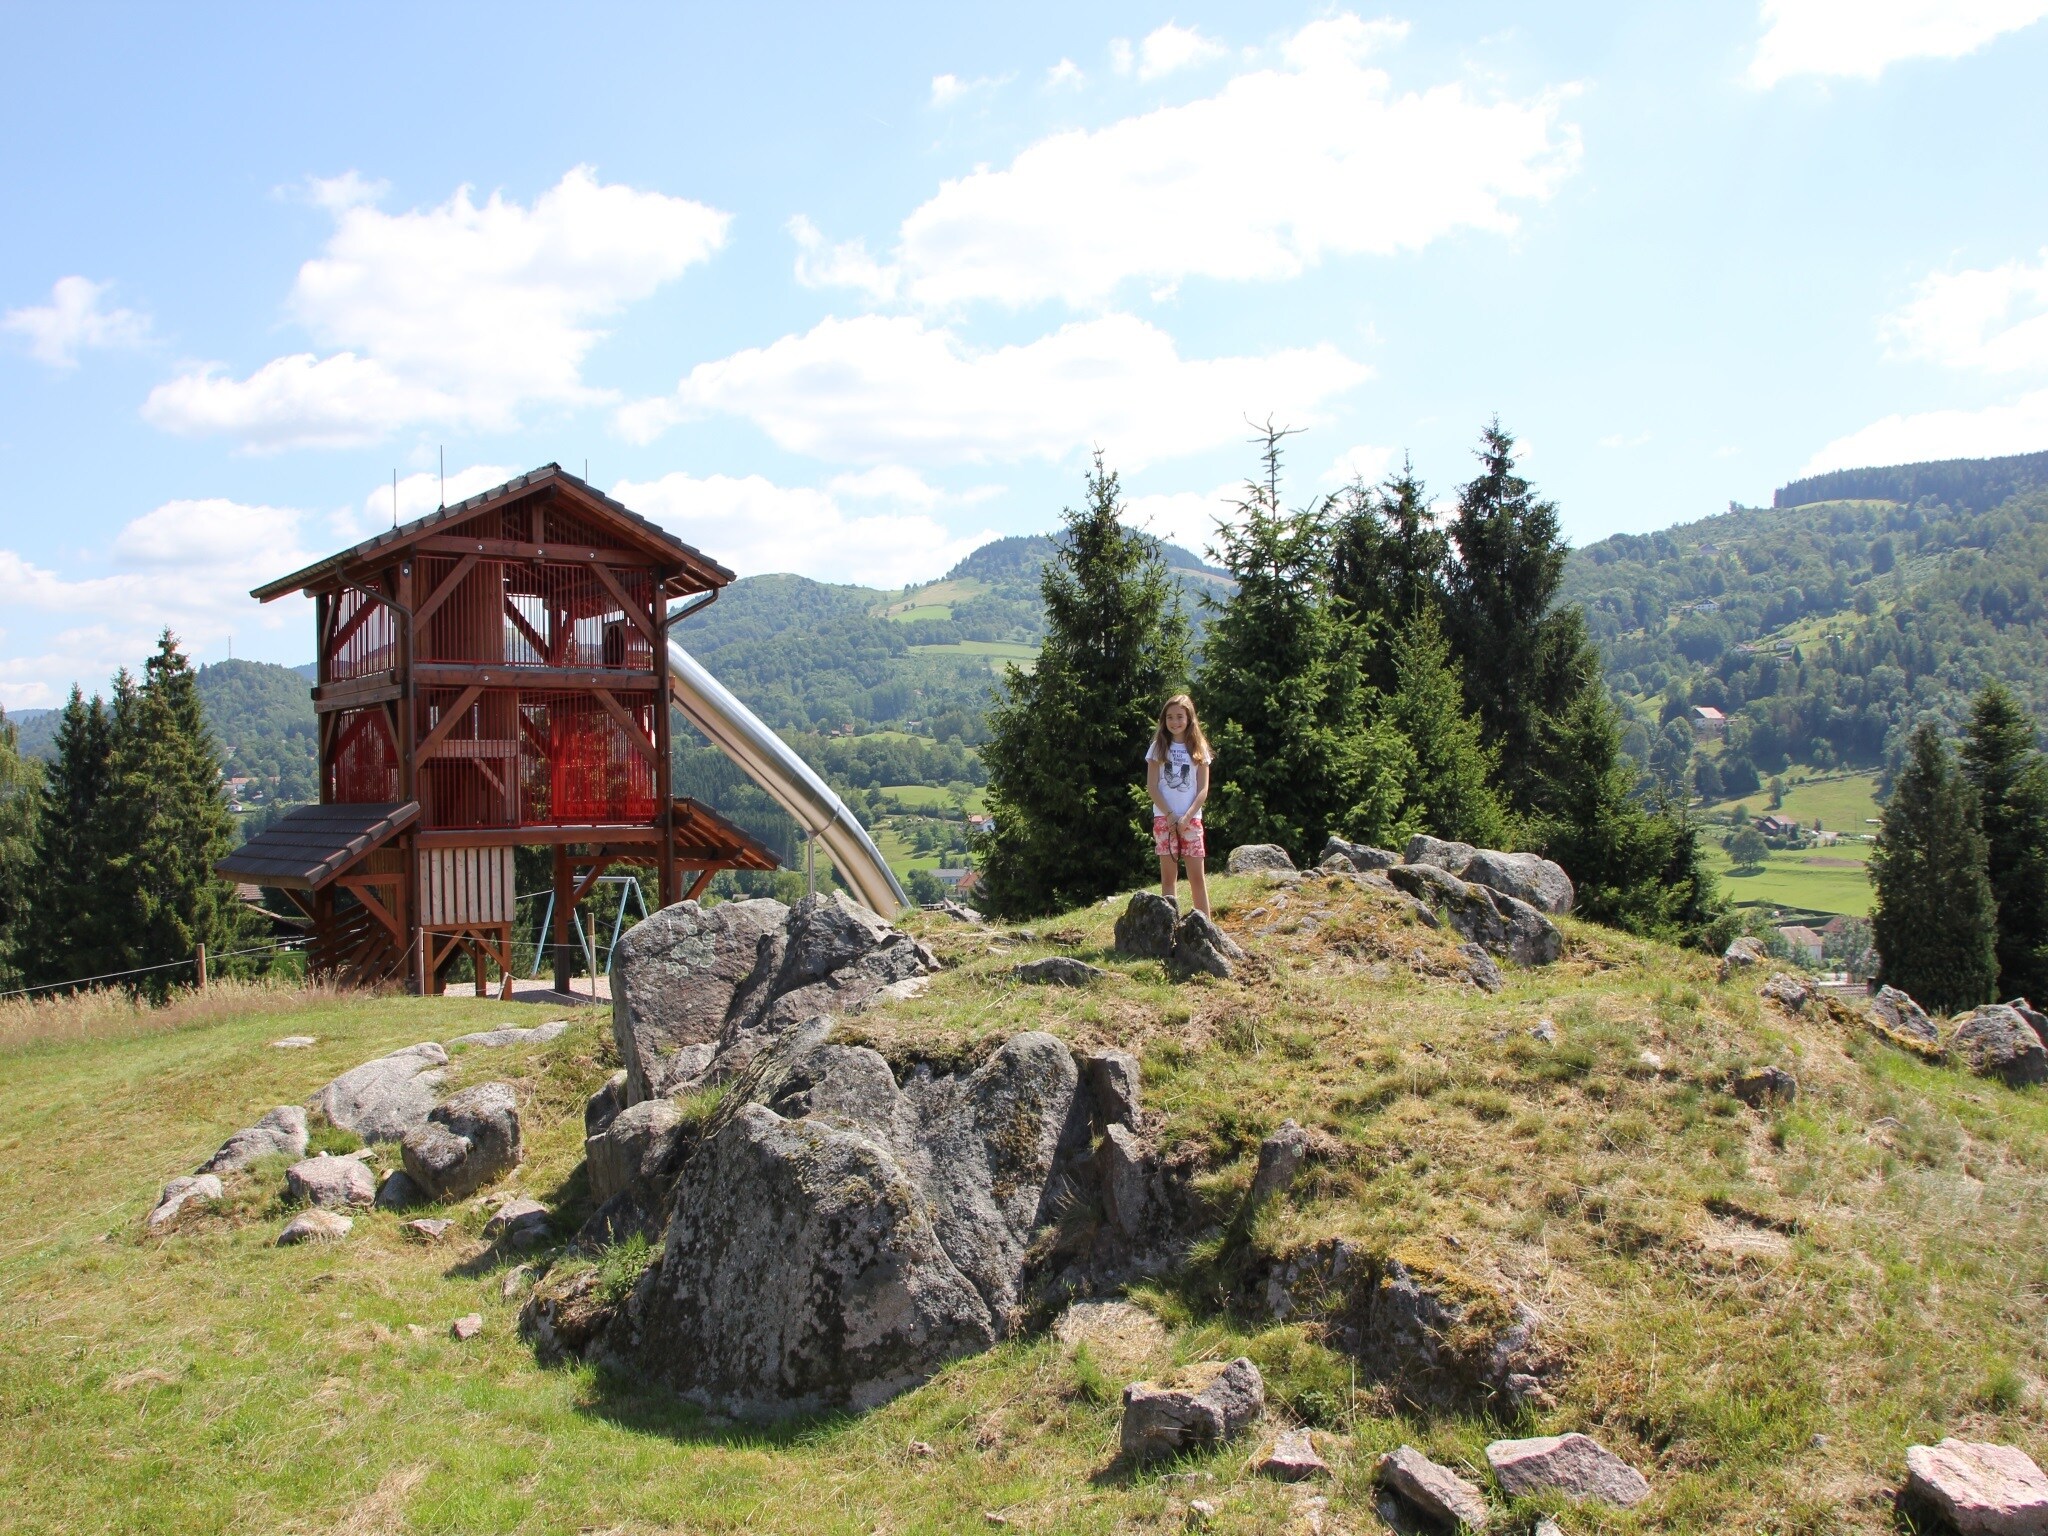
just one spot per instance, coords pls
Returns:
(1177, 778)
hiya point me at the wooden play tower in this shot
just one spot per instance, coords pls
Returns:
(490, 676)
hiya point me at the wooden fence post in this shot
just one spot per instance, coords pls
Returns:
(202, 967)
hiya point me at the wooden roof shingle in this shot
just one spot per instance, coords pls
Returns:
(311, 845)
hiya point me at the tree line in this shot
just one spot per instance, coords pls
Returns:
(107, 852)
(1372, 674)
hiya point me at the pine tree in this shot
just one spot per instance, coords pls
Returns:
(64, 932)
(1387, 565)
(1279, 692)
(1934, 923)
(20, 791)
(1450, 790)
(1066, 756)
(171, 823)
(2011, 780)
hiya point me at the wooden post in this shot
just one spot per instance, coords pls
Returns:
(202, 967)
(565, 895)
(592, 916)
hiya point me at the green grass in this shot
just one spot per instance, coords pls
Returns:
(1760, 1311)
(925, 796)
(1815, 879)
(934, 600)
(1843, 803)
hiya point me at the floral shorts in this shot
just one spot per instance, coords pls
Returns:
(1183, 845)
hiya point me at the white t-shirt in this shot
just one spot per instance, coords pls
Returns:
(1176, 776)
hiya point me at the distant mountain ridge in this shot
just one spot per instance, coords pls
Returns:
(1977, 485)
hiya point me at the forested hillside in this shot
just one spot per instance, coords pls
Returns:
(1824, 629)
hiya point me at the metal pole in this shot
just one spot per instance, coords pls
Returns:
(810, 864)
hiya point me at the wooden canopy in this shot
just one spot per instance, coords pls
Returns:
(310, 846)
(706, 840)
(698, 572)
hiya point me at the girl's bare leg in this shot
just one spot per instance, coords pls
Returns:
(1198, 885)
(1169, 872)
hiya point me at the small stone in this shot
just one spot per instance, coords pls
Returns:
(1200, 1512)
(1436, 1491)
(1280, 1158)
(1896, 1014)
(1199, 945)
(1575, 1465)
(468, 1141)
(316, 1225)
(2036, 1020)
(1338, 854)
(428, 1229)
(1651, 1060)
(398, 1192)
(521, 1224)
(468, 1326)
(293, 1043)
(517, 1278)
(1761, 1089)
(1312, 1516)
(1292, 1457)
(1480, 968)
(1787, 991)
(330, 1181)
(1744, 954)
(1057, 971)
(190, 1190)
(1980, 1489)
(1545, 1526)
(922, 1449)
(1211, 1404)
(990, 1517)
(1544, 1031)
(1259, 858)
(281, 1133)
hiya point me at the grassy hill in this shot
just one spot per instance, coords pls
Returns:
(1760, 1309)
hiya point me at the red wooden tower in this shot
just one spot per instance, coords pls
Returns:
(491, 675)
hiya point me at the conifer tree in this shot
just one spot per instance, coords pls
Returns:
(20, 790)
(1387, 565)
(63, 934)
(1934, 923)
(1450, 790)
(1066, 756)
(2011, 779)
(1280, 695)
(170, 821)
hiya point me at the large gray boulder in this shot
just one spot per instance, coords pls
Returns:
(1210, 1404)
(1500, 924)
(1997, 1042)
(330, 1181)
(1145, 927)
(638, 1146)
(1525, 876)
(1896, 1015)
(192, 1190)
(674, 977)
(383, 1099)
(1199, 946)
(1449, 857)
(1743, 954)
(468, 1142)
(2036, 1020)
(1362, 857)
(1259, 859)
(836, 1242)
(1978, 1489)
(1576, 1466)
(692, 987)
(281, 1133)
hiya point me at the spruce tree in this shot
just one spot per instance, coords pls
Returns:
(1066, 755)
(20, 790)
(63, 933)
(1387, 564)
(2011, 780)
(172, 822)
(1934, 922)
(1450, 790)
(1280, 694)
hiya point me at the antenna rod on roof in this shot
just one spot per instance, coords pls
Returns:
(394, 495)
(444, 479)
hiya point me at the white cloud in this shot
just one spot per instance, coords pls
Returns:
(187, 565)
(1121, 56)
(884, 388)
(820, 264)
(1172, 47)
(1993, 319)
(947, 90)
(889, 482)
(461, 314)
(2018, 427)
(754, 525)
(1619, 440)
(1065, 75)
(1860, 37)
(1281, 168)
(1186, 518)
(418, 494)
(1368, 463)
(73, 320)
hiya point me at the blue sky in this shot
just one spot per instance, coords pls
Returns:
(846, 291)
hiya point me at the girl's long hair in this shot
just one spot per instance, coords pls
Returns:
(1197, 744)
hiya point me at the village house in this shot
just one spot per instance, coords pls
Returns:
(1804, 943)
(1775, 825)
(1708, 723)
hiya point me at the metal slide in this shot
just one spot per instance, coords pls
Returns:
(790, 781)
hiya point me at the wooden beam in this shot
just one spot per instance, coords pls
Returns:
(444, 589)
(539, 836)
(634, 611)
(534, 637)
(626, 723)
(697, 886)
(553, 554)
(461, 674)
(598, 866)
(450, 718)
(379, 911)
(374, 689)
(356, 620)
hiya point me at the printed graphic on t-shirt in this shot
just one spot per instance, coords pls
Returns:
(1177, 779)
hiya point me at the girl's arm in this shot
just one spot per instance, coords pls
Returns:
(1152, 787)
(1201, 789)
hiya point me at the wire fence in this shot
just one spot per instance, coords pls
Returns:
(150, 970)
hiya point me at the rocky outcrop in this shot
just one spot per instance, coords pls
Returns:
(182, 1194)
(1894, 1016)
(330, 1181)
(838, 1237)
(1743, 954)
(540, 1034)
(1259, 859)
(1113, 1083)
(383, 1099)
(1786, 990)
(638, 1147)
(1577, 1466)
(1146, 926)
(520, 1224)
(1208, 1405)
(1058, 971)
(1201, 948)
(1338, 854)
(465, 1143)
(1434, 851)
(1978, 1489)
(735, 976)
(1435, 1492)
(1500, 924)
(1997, 1042)
(1525, 876)
(281, 1133)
